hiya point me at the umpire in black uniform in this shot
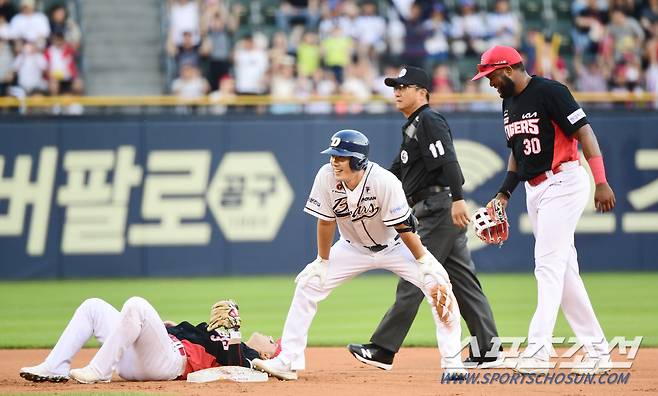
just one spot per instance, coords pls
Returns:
(432, 179)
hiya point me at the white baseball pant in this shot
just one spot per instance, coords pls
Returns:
(345, 262)
(134, 341)
(554, 208)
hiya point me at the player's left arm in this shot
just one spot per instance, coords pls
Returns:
(411, 240)
(604, 197)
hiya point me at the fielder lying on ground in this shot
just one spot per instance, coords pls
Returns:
(139, 346)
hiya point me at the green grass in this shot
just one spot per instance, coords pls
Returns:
(33, 313)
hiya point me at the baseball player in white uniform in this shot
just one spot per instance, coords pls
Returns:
(377, 231)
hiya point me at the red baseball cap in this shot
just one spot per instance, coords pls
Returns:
(496, 58)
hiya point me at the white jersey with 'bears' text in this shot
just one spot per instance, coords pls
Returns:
(365, 215)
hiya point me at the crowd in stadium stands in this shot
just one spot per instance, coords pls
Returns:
(38, 52)
(294, 49)
(333, 47)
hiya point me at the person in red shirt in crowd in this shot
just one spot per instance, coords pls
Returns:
(62, 72)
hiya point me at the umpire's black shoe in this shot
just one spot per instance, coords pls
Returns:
(373, 355)
(484, 362)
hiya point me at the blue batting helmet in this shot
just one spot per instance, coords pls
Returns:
(350, 143)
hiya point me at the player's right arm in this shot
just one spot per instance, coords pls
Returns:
(604, 197)
(326, 231)
(510, 182)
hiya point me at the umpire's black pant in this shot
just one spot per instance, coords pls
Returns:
(447, 243)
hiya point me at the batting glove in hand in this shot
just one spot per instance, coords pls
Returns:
(225, 315)
(315, 269)
(491, 224)
(430, 271)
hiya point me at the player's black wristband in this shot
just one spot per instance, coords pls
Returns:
(453, 174)
(509, 184)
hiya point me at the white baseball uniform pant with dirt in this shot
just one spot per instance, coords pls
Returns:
(135, 342)
(345, 262)
(554, 208)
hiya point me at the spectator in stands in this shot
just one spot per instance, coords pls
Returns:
(651, 74)
(548, 62)
(394, 34)
(504, 25)
(324, 85)
(183, 17)
(328, 19)
(651, 44)
(30, 25)
(356, 85)
(7, 9)
(625, 6)
(416, 33)
(283, 87)
(370, 31)
(308, 54)
(438, 28)
(620, 82)
(190, 84)
(624, 35)
(590, 76)
(626, 75)
(188, 52)
(60, 23)
(441, 80)
(62, 72)
(469, 30)
(278, 49)
(294, 12)
(349, 12)
(226, 93)
(219, 28)
(589, 29)
(649, 15)
(250, 67)
(5, 29)
(30, 66)
(337, 51)
(6, 59)
(403, 8)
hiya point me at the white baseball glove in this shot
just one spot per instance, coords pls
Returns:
(315, 269)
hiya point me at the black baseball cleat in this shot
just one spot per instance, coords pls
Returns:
(373, 355)
(484, 361)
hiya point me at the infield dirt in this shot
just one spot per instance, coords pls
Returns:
(333, 371)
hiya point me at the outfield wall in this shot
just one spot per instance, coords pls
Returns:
(193, 196)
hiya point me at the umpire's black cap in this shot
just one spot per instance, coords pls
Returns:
(410, 75)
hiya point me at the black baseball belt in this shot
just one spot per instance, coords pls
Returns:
(425, 193)
(377, 248)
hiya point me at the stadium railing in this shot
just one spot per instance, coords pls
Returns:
(259, 100)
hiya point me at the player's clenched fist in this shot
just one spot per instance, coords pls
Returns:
(224, 314)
